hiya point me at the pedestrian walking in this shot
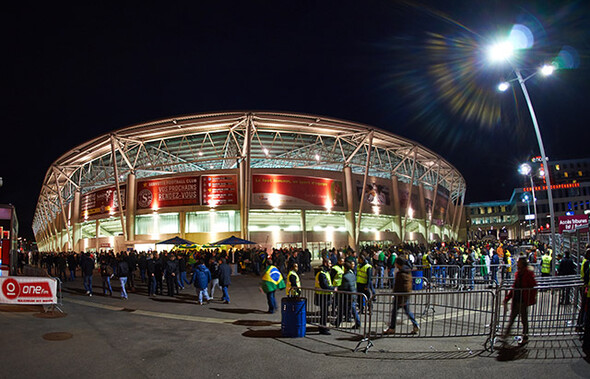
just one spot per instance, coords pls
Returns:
(402, 286)
(523, 295)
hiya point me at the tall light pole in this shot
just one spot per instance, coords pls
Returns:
(526, 169)
(503, 52)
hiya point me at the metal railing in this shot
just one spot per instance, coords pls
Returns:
(436, 313)
(343, 311)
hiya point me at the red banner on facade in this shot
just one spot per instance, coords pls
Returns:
(219, 190)
(289, 190)
(572, 223)
(172, 192)
(101, 202)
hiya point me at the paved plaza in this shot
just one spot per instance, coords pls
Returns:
(165, 337)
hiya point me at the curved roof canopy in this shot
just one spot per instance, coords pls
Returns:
(217, 141)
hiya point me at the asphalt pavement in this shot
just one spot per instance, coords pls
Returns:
(165, 337)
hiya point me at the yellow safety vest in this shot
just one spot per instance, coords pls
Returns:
(582, 269)
(546, 265)
(361, 274)
(318, 289)
(425, 263)
(339, 273)
(297, 283)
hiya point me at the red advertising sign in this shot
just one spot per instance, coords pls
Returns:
(290, 190)
(101, 202)
(219, 190)
(172, 192)
(572, 223)
(26, 290)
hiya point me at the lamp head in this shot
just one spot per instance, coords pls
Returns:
(525, 169)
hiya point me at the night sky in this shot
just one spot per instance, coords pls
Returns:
(416, 69)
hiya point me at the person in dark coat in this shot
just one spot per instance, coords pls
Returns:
(201, 279)
(224, 279)
(159, 270)
(150, 265)
(566, 267)
(171, 275)
(87, 266)
(123, 274)
(347, 302)
(402, 286)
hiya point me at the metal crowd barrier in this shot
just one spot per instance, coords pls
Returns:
(438, 314)
(336, 310)
(555, 313)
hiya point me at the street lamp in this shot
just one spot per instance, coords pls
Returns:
(503, 52)
(526, 169)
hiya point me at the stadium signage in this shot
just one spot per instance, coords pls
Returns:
(27, 290)
(102, 201)
(290, 190)
(219, 190)
(169, 192)
(571, 223)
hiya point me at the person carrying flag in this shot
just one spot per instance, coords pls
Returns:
(271, 281)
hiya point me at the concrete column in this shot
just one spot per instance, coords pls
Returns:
(75, 220)
(130, 203)
(350, 216)
(423, 223)
(396, 205)
(303, 230)
(182, 223)
(97, 234)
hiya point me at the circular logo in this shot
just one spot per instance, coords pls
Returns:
(144, 198)
(10, 289)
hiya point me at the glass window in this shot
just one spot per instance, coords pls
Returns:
(212, 221)
(166, 223)
(110, 227)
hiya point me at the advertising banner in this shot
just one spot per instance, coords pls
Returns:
(102, 201)
(572, 223)
(440, 208)
(290, 190)
(28, 290)
(219, 190)
(404, 194)
(377, 194)
(171, 192)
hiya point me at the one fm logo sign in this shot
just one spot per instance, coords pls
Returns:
(12, 289)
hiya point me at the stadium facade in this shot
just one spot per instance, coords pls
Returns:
(278, 179)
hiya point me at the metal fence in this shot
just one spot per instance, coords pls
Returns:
(435, 312)
(343, 311)
(555, 313)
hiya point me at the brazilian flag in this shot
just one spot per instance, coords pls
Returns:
(272, 280)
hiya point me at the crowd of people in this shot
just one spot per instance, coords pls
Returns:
(372, 267)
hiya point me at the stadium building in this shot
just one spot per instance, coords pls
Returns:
(278, 179)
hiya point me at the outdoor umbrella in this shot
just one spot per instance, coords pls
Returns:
(232, 241)
(175, 241)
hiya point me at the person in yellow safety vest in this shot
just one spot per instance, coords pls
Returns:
(323, 298)
(427, 262)
(546, 264)
(585, 275)
(337, 272)
(364, 280)
(293, 281)
(508, 262)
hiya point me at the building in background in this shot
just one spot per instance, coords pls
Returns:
(279, 179)
(515, 218)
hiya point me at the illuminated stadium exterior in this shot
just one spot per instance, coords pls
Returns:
(279, 179)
